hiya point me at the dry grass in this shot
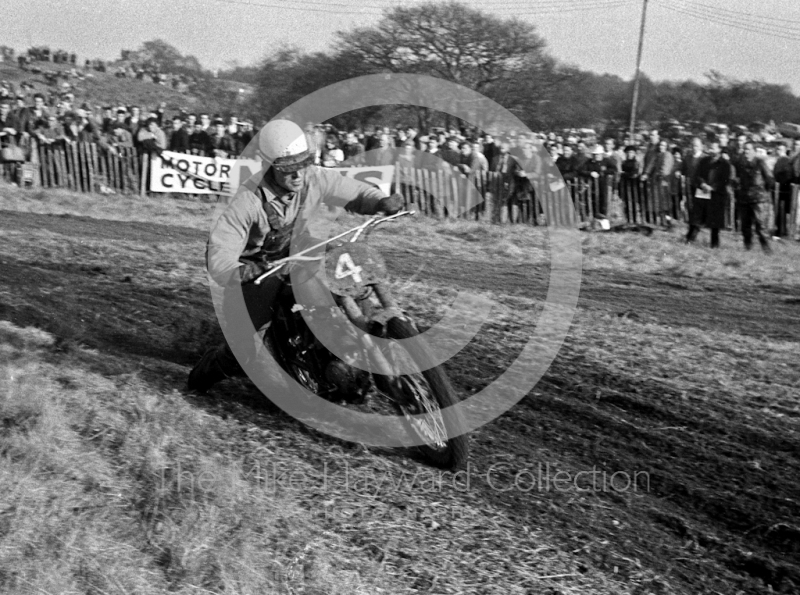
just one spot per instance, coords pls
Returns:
(109, 486)
(114, 484)
(115, 207)
(664, 253)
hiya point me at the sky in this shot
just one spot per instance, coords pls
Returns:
(683, 39)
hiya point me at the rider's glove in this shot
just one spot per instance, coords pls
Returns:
(390, 204)
(251, 271)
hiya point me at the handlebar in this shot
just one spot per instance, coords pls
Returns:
(301, 256)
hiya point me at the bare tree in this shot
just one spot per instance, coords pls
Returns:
(447, 40)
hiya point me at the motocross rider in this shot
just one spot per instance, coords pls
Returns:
(256, 227)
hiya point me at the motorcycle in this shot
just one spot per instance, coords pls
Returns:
(358, 285)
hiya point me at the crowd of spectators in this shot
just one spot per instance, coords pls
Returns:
(57, 120)
(663, 169)
(658, 172)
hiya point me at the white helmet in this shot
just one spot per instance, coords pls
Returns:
(284, 144)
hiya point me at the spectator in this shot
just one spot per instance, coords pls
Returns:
(107, 120)
(469, 161)
(179, 141)
(78, 129)
(384, 154)
(372, 140)
(712, 177)
(490, 148)
(581, 155)
(503, 163)
(690, 161)
(9, 125)
(783, 177)
(20, 106)
(332, 155)
(134, 120)
(400, 138)
(755, 183)
(552, 174)
(530, 171)
(160, 112)
(205, 123)
(121, 137)
(407, 156)
(412, 134)
(658, 172)
(49, 131)
(199, 140)
(567, 165)
(353, 149)
(530, 161)
(245, 134)
(477, 150)
(151, 138)
(676, 181)
(613, 155)
(629, 182)
(30, 116)
(450, 154)
(222, 144)
(509, 168)
(651, 153)
(795, 158)
(596, 174)
(122, 120)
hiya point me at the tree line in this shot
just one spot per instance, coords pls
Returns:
(506, 60)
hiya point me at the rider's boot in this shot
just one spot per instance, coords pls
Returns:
(216, 364)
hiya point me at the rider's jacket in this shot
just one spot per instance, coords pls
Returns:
(260, 219)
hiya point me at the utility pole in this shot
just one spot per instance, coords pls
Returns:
(635, 103)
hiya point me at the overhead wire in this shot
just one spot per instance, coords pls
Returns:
(572, 8)
(546, 8)
(752, 15)
(727, 21)
(739, 20)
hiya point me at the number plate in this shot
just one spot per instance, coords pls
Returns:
(351, 267)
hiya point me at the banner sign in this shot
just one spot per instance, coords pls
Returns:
(380, 175)
(191, 174)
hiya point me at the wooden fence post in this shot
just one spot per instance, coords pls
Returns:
(145, 172)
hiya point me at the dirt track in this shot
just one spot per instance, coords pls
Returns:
(706, 509)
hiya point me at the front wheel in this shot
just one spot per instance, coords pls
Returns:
(430, 393)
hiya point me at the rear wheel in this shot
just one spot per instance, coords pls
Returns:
(429, 393)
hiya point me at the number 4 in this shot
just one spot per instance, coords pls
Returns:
(346, 267)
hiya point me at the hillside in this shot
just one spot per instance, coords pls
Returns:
(103, 88)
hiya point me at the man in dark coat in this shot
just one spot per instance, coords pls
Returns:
(449, 153)
(567, 165)
(629, 185)
(490, 148)
(508, 167)
(755, 206)
(783, 177)
(597, 173)
(179, 141)
(711, 180)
